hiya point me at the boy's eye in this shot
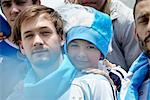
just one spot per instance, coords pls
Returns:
(91, 47)
(74, 45)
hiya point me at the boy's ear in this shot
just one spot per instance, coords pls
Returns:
(21, 47)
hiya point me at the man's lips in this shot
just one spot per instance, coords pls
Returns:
(39, 51)
(12, 19)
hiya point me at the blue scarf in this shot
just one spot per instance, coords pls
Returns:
(51, 87)
(139, 69)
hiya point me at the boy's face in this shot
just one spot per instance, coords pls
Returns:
(142, 22)
(40, 41)
(83, 54)
(11, 8)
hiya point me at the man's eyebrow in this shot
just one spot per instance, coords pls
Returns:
(142, 16)
(26, 32)
(44, 27)
(6, 1)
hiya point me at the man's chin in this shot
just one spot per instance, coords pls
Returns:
(41, 61)
(147, 49)
(147, 53)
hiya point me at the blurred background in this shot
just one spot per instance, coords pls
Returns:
(55, 3)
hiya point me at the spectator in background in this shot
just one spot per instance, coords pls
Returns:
(124, 45)
(12, 8)
(137, 82)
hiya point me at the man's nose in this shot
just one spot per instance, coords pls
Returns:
(38, 41)
(148, 26)
(15, 9)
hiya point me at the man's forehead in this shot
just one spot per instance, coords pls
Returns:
(143, 7)
(13, 0)
(143, 3)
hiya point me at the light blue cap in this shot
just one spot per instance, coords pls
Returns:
(99, 33)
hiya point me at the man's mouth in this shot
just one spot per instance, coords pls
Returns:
(12, 20)
(39, 51)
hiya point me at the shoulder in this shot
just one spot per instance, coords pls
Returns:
(124, 13)
(94, 86)
(94, 81)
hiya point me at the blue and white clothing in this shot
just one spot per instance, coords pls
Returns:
(137, 83)
(89, 87)
(50, 87)
(12, 67)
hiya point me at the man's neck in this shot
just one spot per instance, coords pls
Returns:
(10, 38)
(43, 72)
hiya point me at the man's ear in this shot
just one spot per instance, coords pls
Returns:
(62, 39)
(135, 34)
(21, 47)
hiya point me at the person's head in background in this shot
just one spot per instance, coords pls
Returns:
(100, 5)
(142, 24)
(87, 45)
(11, 8)
(38, 31)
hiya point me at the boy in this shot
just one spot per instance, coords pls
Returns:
(87, 42)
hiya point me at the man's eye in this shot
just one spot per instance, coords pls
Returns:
(7, 5)
(28, 36)
(20, 2)
(45, 33)
(144, 21)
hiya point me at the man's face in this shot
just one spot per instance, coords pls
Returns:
(83, 54)
(11, 8)
(97, 4)
(142, 22)
(40, 42)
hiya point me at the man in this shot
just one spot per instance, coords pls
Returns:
(137, 83)
(12, 65)
(125, 47)
(39, 33)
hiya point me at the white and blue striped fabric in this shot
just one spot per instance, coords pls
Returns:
(134, 81)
